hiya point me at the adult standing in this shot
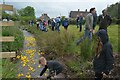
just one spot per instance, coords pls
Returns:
(57, 23)
(77, 21)
(94, 21)
(80, 21)
(53, 24)
(65, 23)
(88, 26)
(37, 23)
(104, 20)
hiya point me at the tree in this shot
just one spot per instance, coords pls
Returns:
(114, 10)
(27, 11)
(26, 14)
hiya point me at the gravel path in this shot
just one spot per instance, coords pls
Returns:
(30, 45)
(31, 59)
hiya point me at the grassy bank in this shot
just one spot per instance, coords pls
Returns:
(62, 46)
(8, 68)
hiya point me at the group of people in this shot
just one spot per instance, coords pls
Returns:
(53, 24)
(103, 60)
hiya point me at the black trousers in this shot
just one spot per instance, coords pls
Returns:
(80, 27)
(98, 76)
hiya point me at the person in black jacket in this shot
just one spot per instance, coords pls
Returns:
(103, 60)
(54, 67)
(104, 20)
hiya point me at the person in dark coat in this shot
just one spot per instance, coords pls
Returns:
(94, 21)
(103, 60)
(104, 20)
(54, 67)
(53, 24)
(80, 21)
(65, 23)
(77, 21)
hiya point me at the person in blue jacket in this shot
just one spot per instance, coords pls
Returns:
(65, 23)
(103, 60)
(57, 23)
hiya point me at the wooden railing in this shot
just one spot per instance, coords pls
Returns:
(6, 38)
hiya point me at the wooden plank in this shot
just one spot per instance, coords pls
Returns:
(6, 7)
(6, 23)
(7, 54)
(7, 39)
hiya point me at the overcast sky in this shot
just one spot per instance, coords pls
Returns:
(56, 8)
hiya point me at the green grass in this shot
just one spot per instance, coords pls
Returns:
(64, 43)
(113, 36)
(0, 68)
(8, 68)
(17, 44)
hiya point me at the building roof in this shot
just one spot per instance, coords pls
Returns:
(73, 14)
(44, 17)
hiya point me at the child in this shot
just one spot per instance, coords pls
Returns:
(103, 60)
(54, 67)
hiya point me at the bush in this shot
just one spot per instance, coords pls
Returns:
(25, 20)
(115, 21)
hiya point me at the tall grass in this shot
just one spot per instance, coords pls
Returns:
(9, 69)
(64, 43)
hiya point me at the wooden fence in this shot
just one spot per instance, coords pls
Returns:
(6, 38)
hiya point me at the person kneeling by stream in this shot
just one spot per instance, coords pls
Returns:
(54, 67)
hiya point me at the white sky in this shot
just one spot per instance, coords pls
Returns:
(56, 8)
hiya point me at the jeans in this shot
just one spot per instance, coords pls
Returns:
(88, 34)
(57, 27)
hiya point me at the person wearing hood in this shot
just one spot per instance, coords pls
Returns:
(103, 60)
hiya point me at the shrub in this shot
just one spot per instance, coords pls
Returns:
(115, 21)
